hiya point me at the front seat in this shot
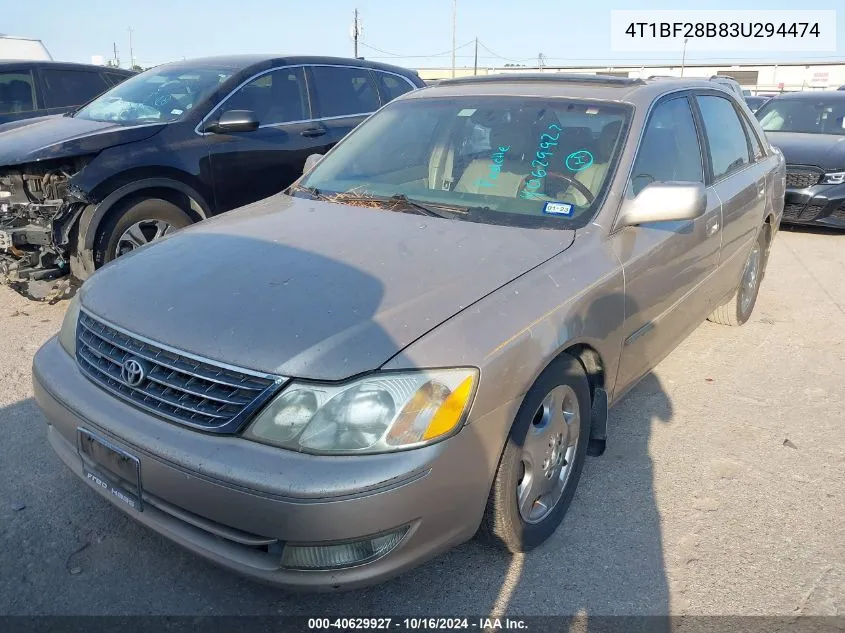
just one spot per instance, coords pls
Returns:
(485, 176)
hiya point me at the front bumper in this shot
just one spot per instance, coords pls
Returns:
(820, 204)
(238, 503)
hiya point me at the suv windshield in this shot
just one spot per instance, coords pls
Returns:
(504, 160)
(157, 95)
(809, 115)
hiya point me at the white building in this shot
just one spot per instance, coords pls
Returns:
(757, 77)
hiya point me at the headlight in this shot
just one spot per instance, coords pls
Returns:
(833, 178)
(67, 335)
(375, 414)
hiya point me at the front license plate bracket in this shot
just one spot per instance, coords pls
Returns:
(111, 468)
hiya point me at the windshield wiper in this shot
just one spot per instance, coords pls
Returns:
(425, 209)
(315, 193)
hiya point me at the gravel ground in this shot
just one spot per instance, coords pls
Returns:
(721, 492)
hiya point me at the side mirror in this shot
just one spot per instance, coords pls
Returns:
(312, 160)
(664, 202)
(234, 121)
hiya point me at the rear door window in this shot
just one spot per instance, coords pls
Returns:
(725, 135)
(17, 92)
(391, 86)
(343, 91)
(63, 88)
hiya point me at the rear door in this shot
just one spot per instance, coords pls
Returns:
(668, 266)
(343, 96)
(18, 94)
(739, 179)
(66, 89)
(249, 166)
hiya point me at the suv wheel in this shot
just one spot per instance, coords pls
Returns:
(134, 224)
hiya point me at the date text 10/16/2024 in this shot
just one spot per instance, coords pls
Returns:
(416, 624)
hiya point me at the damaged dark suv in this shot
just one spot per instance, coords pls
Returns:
(171, 146)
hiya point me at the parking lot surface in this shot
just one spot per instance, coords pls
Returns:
(721, 492)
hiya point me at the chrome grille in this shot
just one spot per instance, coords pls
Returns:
(180, 388)
(802, 178)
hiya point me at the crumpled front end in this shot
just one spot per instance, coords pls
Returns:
(39, 207)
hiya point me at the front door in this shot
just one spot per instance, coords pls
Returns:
(250, 166)
(668, 266)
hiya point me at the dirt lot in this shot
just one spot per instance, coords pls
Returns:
(722, 491)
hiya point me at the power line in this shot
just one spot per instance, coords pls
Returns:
(449, 52)
(507, 59)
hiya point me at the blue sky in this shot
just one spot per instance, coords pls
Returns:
(408, 33)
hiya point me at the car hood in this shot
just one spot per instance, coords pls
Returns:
(62, 136)
(822, 150)
(311, 289)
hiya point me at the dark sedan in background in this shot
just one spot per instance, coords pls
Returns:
(755, 102)
(171, 146)
(37, 88)
(809, 128)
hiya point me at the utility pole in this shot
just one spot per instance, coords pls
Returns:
(454, 22)
(355, 33)
(116, 58)
(475, 63)
(131, 51)
(684, 56)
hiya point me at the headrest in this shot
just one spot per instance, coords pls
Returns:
(607, 140)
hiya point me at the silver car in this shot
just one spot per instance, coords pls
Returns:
(420, 341)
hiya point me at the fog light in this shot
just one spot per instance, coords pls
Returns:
(339, 555)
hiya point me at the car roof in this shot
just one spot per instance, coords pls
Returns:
(580, 86)
(813, 95)
(31, 63)
(244, 61)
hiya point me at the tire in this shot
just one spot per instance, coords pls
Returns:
(564, 382)
(738, 310)
(155, 217)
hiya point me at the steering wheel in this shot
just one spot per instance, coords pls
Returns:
(581, 187)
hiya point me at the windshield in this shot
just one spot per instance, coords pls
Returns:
(503, 160)
(811, 116)
(157, 95)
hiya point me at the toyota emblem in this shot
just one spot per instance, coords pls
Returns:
(133, 373)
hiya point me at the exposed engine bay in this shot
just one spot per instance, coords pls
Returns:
(38, 209)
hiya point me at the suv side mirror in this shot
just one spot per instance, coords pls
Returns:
(312, 160)
(664, 202)
(234, 121)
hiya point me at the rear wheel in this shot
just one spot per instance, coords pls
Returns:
(738, 310)
(136, 223)
(542, 461)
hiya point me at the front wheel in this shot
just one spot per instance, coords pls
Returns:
(542, 461)
(136, 223)
(738, 310)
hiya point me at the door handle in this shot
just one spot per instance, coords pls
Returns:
(712, 227)
(312, 132)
